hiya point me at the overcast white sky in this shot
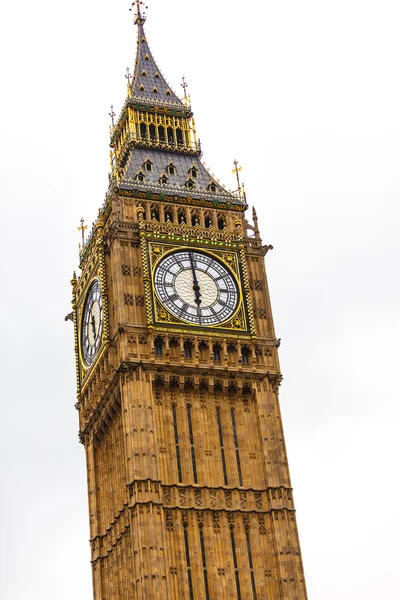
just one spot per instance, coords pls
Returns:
(306, 96)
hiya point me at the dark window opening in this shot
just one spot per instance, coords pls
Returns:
(208, 221)
(217, 352)
(189, 184)
(158, 347)
(212, 187)
(245, 355)
(171, 170)
(161, 134)
(187, 349)
(168, 215)
(195, 219)
(179, 137)
(152, 131)
(193, 172)
(148, 165)
(221, 223)
(182, 216)
(143, 131)
(170, 135)
(163, 180)
(155, 213)
(140, 176)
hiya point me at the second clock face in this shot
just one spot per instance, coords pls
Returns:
(196, 288)
(92, 323)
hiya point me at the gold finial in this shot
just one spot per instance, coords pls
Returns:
(128, 77)
(140, 17)
(186, 96)
(236, 170)
(184, 85)
(82, 229)
(112, 115)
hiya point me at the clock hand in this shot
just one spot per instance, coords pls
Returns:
(196, 287)
(93, 324)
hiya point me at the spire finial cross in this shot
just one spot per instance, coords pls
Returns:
(237, 170)
(112, 114)
(184, 85)
(82, 229)
(140, 17)
(128, 75)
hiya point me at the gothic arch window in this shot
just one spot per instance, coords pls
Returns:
(173, 348)
(161, 133)
(231, 348)
(171, 169)
(195, 218)
(144, 74)
(217, 352)
(143, 131)
(221, 222)
(179, 137)
(141, 88)
(158, 346)
(155, 212)
(245, 355)
(189, 184)
(212, 186)
(208, 220)
(188, 349)
(155, 90)
(193, 172)
(203, 350)
(148, 166)
(170, 135)
(147, 57)
(139, 176)
(152, 131)
(168, 214)
(168, 92)
(163, 179)
(182, 216)
(157, 75)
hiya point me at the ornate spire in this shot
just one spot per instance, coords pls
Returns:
(148, 83)
(140, 17)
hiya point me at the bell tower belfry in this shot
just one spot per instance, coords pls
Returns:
(178, 373)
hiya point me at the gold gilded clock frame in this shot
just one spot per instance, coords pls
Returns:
(158, 315)
(93, 269)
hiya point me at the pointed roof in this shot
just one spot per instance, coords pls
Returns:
(148, 82)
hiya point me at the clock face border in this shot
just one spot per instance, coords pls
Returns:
(89, 360)
(85, 369)
(228, 258)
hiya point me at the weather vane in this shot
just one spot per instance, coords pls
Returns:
(112, 114)
(82, 229)
(236, 170)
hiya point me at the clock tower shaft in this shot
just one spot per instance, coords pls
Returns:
(189, 488)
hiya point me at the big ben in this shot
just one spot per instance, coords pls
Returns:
(178, 373)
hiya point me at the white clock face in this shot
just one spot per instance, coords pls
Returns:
(92, 323)
(196, 288)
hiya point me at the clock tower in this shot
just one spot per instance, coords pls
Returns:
(178, 373)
